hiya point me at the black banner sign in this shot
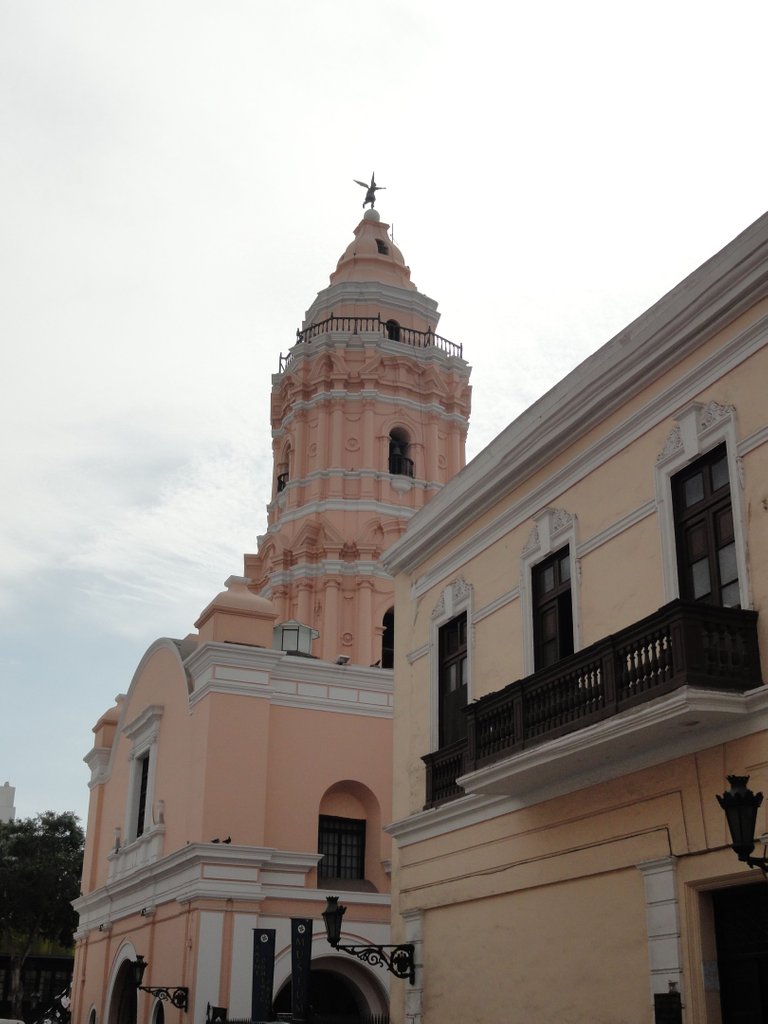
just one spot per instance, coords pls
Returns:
(301, 956)
(263, 973)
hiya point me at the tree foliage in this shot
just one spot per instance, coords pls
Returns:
(41, 861)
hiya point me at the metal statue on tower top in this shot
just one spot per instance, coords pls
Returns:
(370, 190)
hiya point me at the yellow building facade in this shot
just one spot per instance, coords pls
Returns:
(580, 629)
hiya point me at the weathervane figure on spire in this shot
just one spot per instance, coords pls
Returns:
(370, 190)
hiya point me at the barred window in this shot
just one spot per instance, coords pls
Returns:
(342, 844)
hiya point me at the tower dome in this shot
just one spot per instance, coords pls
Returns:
(373, 256)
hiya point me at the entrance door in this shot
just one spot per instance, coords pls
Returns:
(741, 931)
(123, 1007)
(333, 999)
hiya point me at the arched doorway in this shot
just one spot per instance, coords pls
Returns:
(122, 1005)
(334, 998)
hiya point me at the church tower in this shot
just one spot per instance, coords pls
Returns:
(370, 410)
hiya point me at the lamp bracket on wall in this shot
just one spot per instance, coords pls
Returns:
(398, 960)
(176, 995)
(741, 805)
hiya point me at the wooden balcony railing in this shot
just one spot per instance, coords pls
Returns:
(353, 325)
(681, 644)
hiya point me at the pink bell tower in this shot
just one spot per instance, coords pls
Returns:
(370, 410)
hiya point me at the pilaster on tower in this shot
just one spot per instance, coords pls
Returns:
(370, 410)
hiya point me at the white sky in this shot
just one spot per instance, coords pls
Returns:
(177, 186)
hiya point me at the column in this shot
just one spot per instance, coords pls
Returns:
(331, 641)
(364, 622)
(304, 611)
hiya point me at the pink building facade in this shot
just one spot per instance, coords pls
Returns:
(246, 772)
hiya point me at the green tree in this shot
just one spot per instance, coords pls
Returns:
(41, 861)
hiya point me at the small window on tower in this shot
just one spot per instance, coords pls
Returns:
(393, 330)
(382, 247)
(388, 640)
(141, 796)
(400, 463)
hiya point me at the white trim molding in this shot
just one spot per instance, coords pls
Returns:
(143, 732)
(662, 915)
(414, 933)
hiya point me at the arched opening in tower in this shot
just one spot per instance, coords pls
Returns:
(388, 639)
(400, 463)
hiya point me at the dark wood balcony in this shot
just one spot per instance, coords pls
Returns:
(682, 644)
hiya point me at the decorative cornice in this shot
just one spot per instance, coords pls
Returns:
(97, 760)
(672, 445)
(730, 283)
(146, 723)
(319, 570)
(300, 405)
(196, 871)
(289, 681)
(705, 418)
(454, 595)
(492, 473)
(389, 297)
(238, 656)
(437, 821)
(318, 508)
(713, 412)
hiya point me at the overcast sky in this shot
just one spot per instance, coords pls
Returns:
(177, 186)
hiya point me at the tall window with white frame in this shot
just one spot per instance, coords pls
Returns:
(704, 535)
(552, 609)
(342, 844)
(141, 796)
(388, 639)
(452, 681)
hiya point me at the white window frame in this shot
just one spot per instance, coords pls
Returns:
(554, 528)
(456, 598)
(699, 428)
(143, 732)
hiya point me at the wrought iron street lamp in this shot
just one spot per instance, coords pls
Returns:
(741, 806)
(398, 960)
(176, 995)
